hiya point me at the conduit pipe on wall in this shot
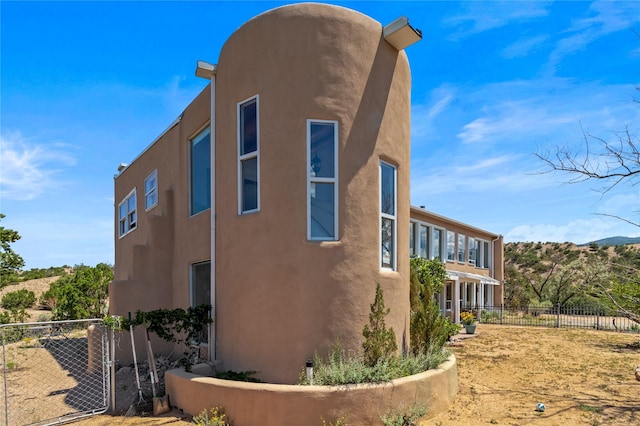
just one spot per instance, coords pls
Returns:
(208, 71)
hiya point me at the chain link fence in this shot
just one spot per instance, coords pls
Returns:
(571, 316)
(54, 372)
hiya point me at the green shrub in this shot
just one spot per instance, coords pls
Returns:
(216, 417)
(428, 327)
(19, 299)
(380, 341)
(339, 369)
(404, 418)
(80, 295)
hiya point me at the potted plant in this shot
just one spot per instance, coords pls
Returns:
(468, 319)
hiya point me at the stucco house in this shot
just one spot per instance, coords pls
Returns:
(280, 196)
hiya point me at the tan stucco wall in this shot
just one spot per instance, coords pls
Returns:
(152, 261)
(283, 405)
(280, 298)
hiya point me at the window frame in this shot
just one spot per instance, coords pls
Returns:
(391, 217)
(126, 220)
(153, 191)
(462, 249)
(243, 157)
(451, 234)
(440, 245)
(473, 249)
(312, 180)
(198, 136)
(192, 293)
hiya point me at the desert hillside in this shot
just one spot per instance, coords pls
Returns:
(38, 286)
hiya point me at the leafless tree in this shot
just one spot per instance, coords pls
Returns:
(610, 162)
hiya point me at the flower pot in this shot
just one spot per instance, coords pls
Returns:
(470, 328)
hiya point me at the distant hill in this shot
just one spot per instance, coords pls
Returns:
(613, 241)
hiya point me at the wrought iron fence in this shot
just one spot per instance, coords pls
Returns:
(568, 316)
(53, 372)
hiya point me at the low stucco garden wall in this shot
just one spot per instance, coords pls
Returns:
(248, 404)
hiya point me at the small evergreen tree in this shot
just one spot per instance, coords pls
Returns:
(429, 329)
(80, 295)
(10, 261)
(20, 299)
(380, 341)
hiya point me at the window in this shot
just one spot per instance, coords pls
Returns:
(248, 157)
(388, 215)
(200, 177)
(436, 243)
(201, 289)
(485, 254)
(451, 246)
(412, 247)
(151, 190)
(473, 251)
(127, 214)
(461, 249)
(322, 193)
(423, 242)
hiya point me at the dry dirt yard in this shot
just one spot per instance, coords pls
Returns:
(583, 377)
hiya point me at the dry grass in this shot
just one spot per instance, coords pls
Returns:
(583, 377)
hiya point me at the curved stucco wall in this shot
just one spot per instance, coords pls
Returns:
(282, 405)
(280, 297)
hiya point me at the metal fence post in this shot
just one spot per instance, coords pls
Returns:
(558, 316)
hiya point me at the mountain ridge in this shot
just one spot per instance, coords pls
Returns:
(613, 241)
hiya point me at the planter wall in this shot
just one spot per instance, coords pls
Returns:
(249, 404)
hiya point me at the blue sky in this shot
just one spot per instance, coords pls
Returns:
(86, 86)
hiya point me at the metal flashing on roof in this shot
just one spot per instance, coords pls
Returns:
(475, 277)
(400, 34)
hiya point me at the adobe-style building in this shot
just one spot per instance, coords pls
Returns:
(280, 196)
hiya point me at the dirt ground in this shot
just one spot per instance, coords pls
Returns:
(583, 377)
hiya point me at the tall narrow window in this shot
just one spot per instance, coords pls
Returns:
(473, 251)
(423, 241)
(200, 176)
(248, 157)
(388, 215)
(412, 247)
(462, 249)
(151, 190)
(485, 254)
(127, 214)
(451, 245)
(436, 243)
(322, 192)
(201, 290)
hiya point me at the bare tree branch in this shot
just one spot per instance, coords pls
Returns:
(611, 162)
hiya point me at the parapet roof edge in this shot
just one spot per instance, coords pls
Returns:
(173, 124)
(457, 222)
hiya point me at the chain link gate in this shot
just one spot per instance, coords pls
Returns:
(54, 372)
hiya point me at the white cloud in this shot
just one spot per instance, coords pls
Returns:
(484, 16)
(29, 169)
(578, 231)
(508, 173)
(546, 110)
(606, 17)
(523, 46)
